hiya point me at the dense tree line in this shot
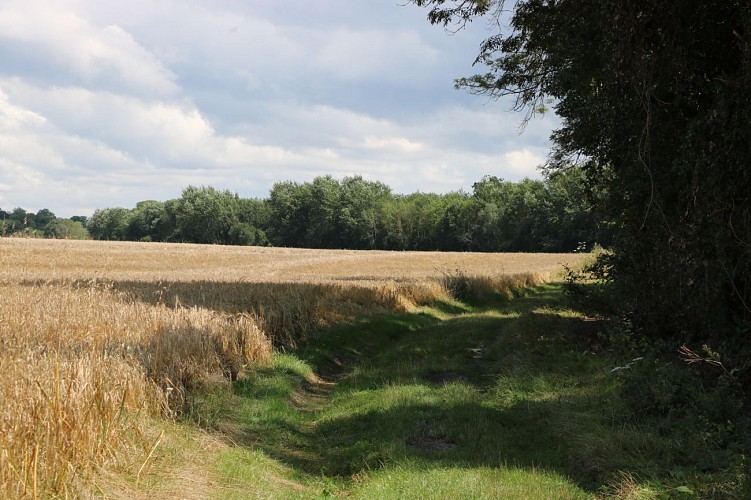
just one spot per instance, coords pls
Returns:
(43, 223)
(354, 213)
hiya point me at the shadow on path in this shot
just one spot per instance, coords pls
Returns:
(501, 387)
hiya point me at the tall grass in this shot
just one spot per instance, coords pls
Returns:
(292, 312)
(475, 288)
(80, 364)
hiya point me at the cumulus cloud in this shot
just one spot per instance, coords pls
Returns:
(395, 144)
(166, 134)
(64, 42)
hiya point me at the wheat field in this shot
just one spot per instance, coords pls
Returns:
(149, 262)
(102, 340)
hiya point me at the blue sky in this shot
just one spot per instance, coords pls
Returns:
(107, 103)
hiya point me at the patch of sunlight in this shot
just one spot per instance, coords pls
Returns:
(292, 364)
(435, 313)
(456, 482)
(243, 473)
(496, 314)
(558, 311)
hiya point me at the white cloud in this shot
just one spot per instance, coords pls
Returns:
(523, 162)
(15, 175)
(14, 117)
(395, 144)
(167, 134)
(62, 40)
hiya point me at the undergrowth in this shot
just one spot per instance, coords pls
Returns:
(696, 400)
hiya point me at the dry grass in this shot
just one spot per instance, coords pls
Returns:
(98, 336)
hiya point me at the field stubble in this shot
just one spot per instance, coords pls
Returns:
(100, 339)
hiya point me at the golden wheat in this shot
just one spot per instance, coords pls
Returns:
(97, 337)
(78, 362)
(34, 259)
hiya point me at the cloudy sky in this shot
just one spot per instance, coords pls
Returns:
(106, 103)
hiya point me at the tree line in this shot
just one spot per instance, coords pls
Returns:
(43, 223)
(354, 213)
(550, 215)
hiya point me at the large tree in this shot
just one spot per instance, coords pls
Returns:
(205, 215)
(359, 204)
(147, 222)
(109, 223)
(654, 101)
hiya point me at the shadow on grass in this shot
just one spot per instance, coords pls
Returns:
(463, 434)
(511, 388)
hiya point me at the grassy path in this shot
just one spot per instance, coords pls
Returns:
(511, 400)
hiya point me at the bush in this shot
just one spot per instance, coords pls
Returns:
(704, 413)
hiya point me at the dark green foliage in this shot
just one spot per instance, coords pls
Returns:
(19, 220)
(419, 218)
(316, 214)
(285, 204)
(535, 216)
(654, 102)
(147, 222)
(42, 224)
(254, 212)
(693, 407)
(205, 215)
(359, 203)
(42, 218)
(326, 213)
(243, 234)
(456, 225)
(200, 215)
(14, 221)
(80, 218)
(549, 216)
(21, 217)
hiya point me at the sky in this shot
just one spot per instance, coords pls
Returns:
(106, 103)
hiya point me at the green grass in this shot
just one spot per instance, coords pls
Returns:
(508, 400)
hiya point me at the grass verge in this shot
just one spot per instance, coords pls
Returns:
(514, 399)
